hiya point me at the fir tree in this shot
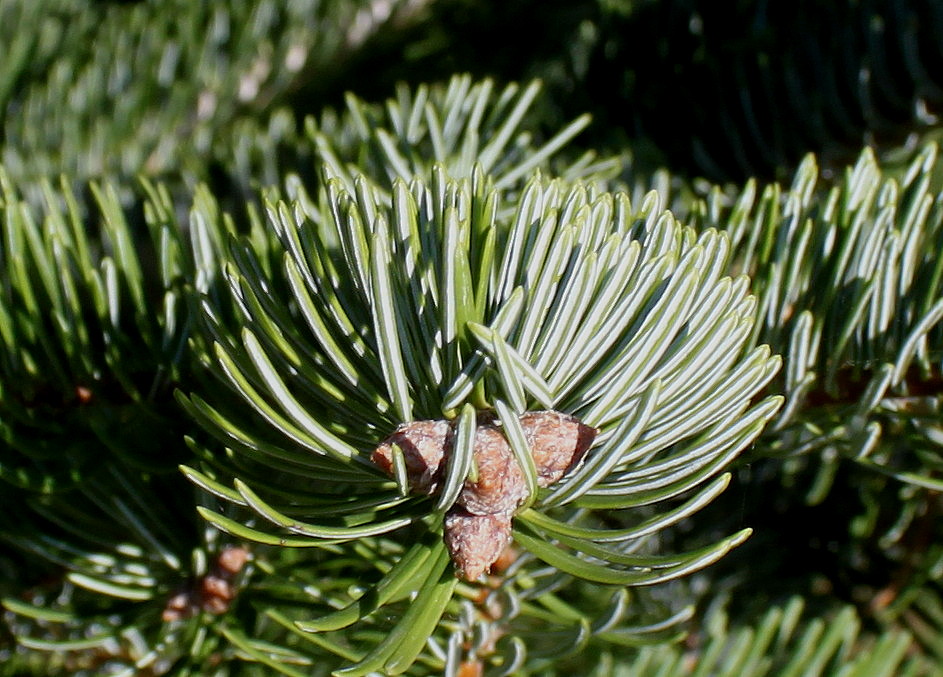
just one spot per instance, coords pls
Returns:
(297, 382)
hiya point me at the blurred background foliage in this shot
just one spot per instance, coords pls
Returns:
(102, 88)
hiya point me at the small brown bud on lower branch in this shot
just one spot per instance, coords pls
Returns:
(212, 592)
(230, 561)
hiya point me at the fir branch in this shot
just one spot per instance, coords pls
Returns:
(296, 385)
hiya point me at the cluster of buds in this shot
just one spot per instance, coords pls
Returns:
(478, 526)
(212, 592)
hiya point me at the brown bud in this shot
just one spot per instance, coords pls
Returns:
(231, 560)
(557, 442)
(478, 526)
(424, 445)
(215, 593)
(216, 587)
(500, 486)
(215, 605)
(178, 607)
(475, 541)
(471, 669)
(507, 557)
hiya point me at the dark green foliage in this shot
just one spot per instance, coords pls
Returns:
(236, 257)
